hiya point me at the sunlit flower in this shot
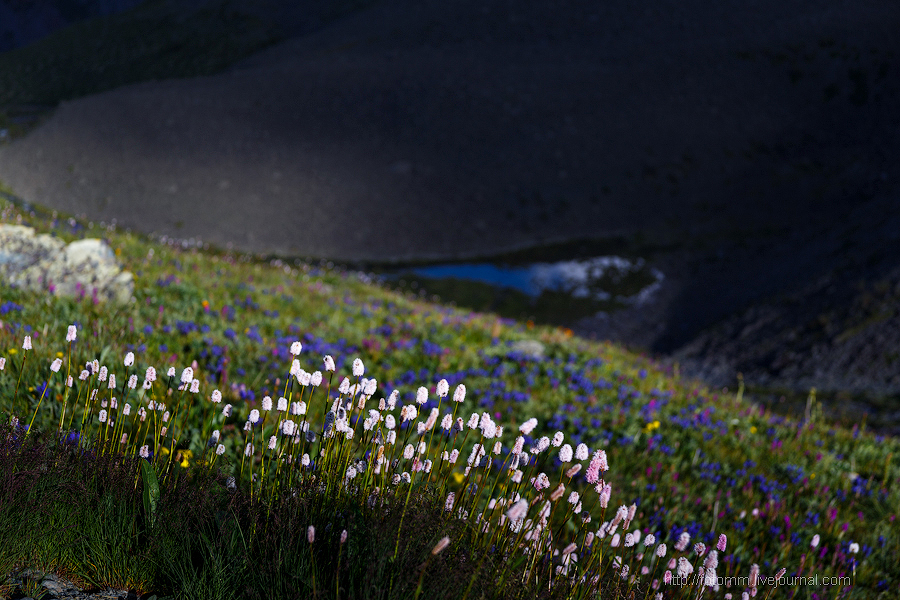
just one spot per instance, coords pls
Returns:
(195, 386)
(815, 541)
(358, 368)
(557, 439)
(310, 534)
(187, 375)
(267, 403)
(227, 410)
(26, 345)
(329, 363)
(443, 388)
(55, 365)
(103, 416)
(144, 452)
(104, 372)
(132, 382)
(421, 395)
(112, 381)
(171, 372)
(723, 540)
(248, 449)
(220, 450)
(296, 348)
(254, 416)
(216, 396)
(316, 378)
(459, 394)
(565, 453)
(528, 426)
(129, 359)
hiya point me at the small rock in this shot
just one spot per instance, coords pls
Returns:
(532, 348)
(45, 263)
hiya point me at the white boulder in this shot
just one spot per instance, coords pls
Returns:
(40, 262)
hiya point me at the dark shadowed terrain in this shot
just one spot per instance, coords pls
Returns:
(748, 150)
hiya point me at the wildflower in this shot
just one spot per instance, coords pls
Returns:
(358, 368)
(123, 439)
(195, 386)
(421, 395)
(129, 359)
(442, 543)
(220, 450)
(3, 364)
(699, 548)
(723, 540)
(565, 453)
(573, 498)
(26, 345)
(69, 381)
(683, 540)
(103, 416)
(581, 452)
(605, 493)
(150, 375)
(295, 368)
(528, 426)
(227, 410)
(853, 548)
(304, 378)
(71, 334)
(454, 456)
(650, 539)
(215, 436)
(248, 450)
(298, 408)
(170, 372)
(296, 348)
(661, 550)
(272, 442)
(667, 577)
(541, 445)
(132, 382)
(102, 374)
(780, 573)
(316, 378)
(815, 541)
(447, 422)
(112, 381)
(304, 460)
(310, 534)
(408, 412)
(573, 470)
(370, 387)
(165, 417)
(144, 452)
(754, 576)
(344, 388)
(329, 363)
(684, 568)
(459, 394)
(541, 482)
(267, 403)
(518, 444)
(408, 451)
(443, 388)
(557, 439)
(518, 510)
(615, 541)
(55, 365)
(254, 416)
(498, 448)
(448, 503)
(147, 383)
(82, 376)
(187, 375)
(126, 410)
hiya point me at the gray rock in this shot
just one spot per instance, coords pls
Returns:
(40, 262)
(532, 348)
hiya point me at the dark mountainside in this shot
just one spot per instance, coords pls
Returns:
(748, 151)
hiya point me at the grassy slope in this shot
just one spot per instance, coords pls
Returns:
(689, 457)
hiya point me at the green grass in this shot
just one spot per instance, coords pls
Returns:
(690, 459)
